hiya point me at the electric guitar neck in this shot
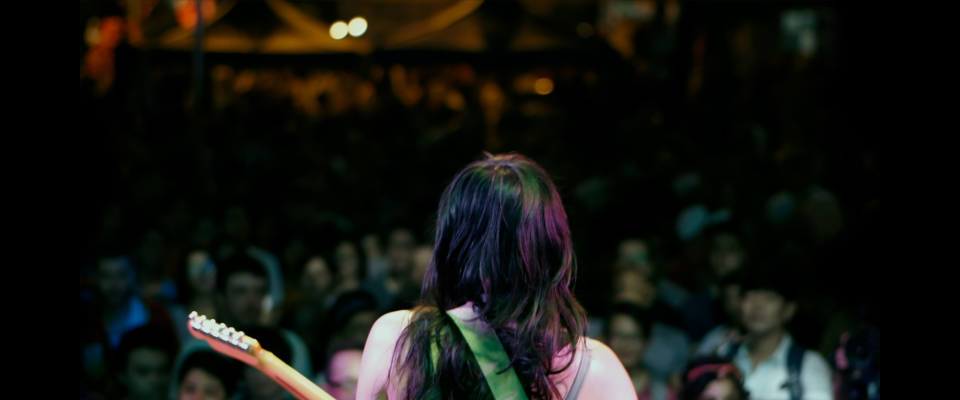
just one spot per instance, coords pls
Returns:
(235, 344)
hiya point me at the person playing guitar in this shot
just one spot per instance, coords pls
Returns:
(498, 319)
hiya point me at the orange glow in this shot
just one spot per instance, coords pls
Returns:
(543, 86)
(186, 12)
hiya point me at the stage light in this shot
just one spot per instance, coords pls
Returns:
(338, 30)
(358, 25)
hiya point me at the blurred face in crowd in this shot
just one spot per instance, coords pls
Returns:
(765, 311)
(261, 386)
(400, 251)
(201, 385)
(626, 339)
(342, 374)
(359, 324)
(243, 298)
(371, 246)
(726, 254)
(421, 261)
(634, 253)
(201, 272)
(147, 374)
(720, 389)
(633, 286)
(115, 280)
(823, 215)
(348, 261)
(317, 278)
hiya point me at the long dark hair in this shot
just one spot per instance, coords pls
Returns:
(503, 243)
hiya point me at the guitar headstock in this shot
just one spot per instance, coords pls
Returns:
(224, 339)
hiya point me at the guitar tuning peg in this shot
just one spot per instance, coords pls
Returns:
(208, 326)
(230, 335)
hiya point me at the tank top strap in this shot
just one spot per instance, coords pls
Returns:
(581, 374)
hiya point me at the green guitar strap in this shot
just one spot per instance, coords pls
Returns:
(493, 360)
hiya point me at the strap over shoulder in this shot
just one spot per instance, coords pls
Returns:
(794, 368)
(574, 391)
(493, 360)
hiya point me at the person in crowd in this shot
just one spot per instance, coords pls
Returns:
(144, 362)
(111, 310)
(343, 370)
(242, 285)
(627, 332)
(713, 378)
(206, 375)
(668, 346)
(349, 267)
(775, 366)
(730, 327)
(397, 289)
(257, 385)
(306, 310)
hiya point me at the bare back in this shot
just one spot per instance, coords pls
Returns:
(605, 379)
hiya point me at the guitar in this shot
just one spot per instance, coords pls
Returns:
(235, 344)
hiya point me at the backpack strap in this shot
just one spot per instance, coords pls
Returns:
(729, 350)
(794, 366)
(494, 362)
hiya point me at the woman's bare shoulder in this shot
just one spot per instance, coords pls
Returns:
(394, 320)
(602, 357)
(382, 340)
(387, 330)
(606, 378)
